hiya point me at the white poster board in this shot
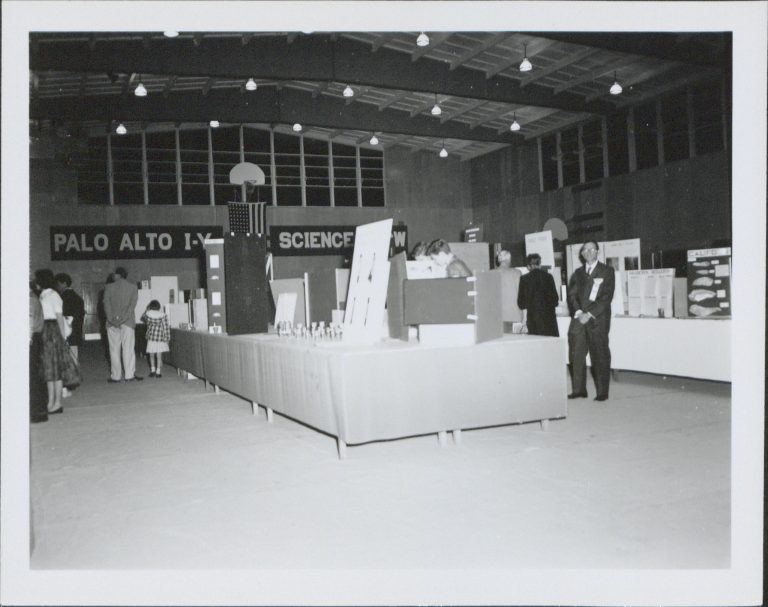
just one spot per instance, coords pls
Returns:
(368, 281)
(541, 243)
(623, 256)
(161, 287)
(286, 307)
(142, 300)
(342, 286)
(650, 292)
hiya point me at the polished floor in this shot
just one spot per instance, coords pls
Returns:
(164, 474)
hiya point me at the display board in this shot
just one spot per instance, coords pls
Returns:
(214, 275)
(178, 314)
(323, 293)
(143, 298)
(475, 254)
(368, 279)
(650, 292)
(245, 277)
(509, 279)
(295, 286)
(395, 304)
(541, 243)
(164, 289)
(709, 282)
(342, 287)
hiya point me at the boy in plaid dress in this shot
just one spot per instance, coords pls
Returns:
(158, 336)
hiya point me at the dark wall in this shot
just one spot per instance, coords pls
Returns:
(680, 205)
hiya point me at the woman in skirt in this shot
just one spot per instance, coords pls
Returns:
(56, 362)
(158, 336)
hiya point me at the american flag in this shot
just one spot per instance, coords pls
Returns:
(247, 217)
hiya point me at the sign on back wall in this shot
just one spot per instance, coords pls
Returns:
(70, 243)
(325, 240)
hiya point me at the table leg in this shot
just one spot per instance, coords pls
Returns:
(269, 415)
(215, 389)
(442, 438)
(544, 425)
(456, 437)
(255, 407)
(342, 447)
(207, 385)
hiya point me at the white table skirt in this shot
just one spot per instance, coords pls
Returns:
(688, 347)
(392, 389)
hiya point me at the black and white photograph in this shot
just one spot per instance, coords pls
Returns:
(238, 392)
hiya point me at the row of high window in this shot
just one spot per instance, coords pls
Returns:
(681, 124)
(191, 166)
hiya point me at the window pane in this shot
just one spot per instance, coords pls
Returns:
(288, 169)
(549, 162)
(592, 140)
(256, 143)
(707, 117)
(618, 153)
(316, 172)
(126, 167)
(226, 154)
(194, 166)
(161, 167)
(569, 151)
(646, 144)
(92, 186)
(674, 119)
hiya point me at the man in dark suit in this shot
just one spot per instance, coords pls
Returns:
(590, 291)
(538, 296)
(73, 306)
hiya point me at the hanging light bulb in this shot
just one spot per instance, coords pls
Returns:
(251, 85)
(141, 90)
(121, 130)
(422, 40)
(436, 110)
(525, 65)
(297, 127)
(443, 153)
(214, 124)
(616, 88)
(170, 34)
(348, 92)
(374, 139)
(515, 126)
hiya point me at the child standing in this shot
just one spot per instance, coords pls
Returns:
(158, 336)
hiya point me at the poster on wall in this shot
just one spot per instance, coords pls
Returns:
(650, 292)
(709, 282)
(368, 279)
(541, 243)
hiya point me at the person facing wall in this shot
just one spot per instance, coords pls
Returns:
(538, 297)
(119, 307)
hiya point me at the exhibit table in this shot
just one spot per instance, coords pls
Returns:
(392, 389)
(688, 347)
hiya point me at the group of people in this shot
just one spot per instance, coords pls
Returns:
(56, 315)
(590, 291)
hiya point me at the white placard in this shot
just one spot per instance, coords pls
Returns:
(286, 307)
(650, 292)
(541, 243)
(214, 261)
(368, 282)
(215, 298)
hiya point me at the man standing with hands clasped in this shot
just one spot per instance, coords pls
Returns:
(590, 291)
(119, 306)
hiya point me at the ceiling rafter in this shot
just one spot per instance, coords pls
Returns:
(630, 82)
(401, 139)
(593, 74)
(435, 40)
(491, 117)
(394, 99)
(534, 48)
(319, 89)
(569, 59)
(359, 92)
(127, 84)
(479, 48)
(380, 42)
(208, 85)
(697, 76)
(426, 106)
(169, 84)
(460, 112)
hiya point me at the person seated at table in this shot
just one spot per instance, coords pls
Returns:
(442, 256)
(419, 252)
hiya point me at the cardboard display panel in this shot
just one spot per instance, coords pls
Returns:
(215, 284)
(398, 329)
(488, 322)
(438, 301)
(164, 288)
(709, 282)
(322, 294)
(246, 283)
(291, 285)
(509, 278)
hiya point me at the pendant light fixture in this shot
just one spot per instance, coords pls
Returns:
(140, 90)
(525, 65)
(170, 34)
(374, 140)
(121, 130)
(297, 127)
(515, 126)
(251, 85)
(214, 124)
(616, 88)
(422, 40)
(348, 92)
(443, 151)
(436, 110)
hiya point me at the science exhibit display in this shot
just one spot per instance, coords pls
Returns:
(364, 313)
(541, 243)
(709, 282)
(214, 276)
(651, 292)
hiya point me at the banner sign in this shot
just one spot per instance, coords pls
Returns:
(326, 240)
(71, 243)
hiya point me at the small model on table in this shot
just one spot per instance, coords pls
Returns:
(590, 291)
(538, 297)
(441, 254)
